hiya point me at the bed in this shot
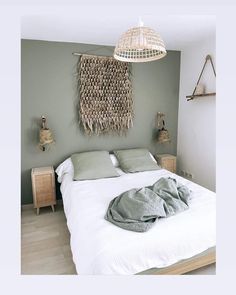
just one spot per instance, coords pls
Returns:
(174, 245)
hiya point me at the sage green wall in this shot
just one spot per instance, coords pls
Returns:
(49, 88)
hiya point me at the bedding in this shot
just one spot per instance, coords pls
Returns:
(114, 160)
(136, 160)
(139, 209)
(66, 167)
(101, 248)
(93, 165)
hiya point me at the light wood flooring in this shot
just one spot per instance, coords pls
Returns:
(45, 244)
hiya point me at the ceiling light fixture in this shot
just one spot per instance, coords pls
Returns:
(140, 44)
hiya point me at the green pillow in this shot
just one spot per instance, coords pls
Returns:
(135, 160)
(93, 165)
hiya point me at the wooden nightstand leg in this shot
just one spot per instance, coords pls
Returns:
(53, 208)
(37, 211)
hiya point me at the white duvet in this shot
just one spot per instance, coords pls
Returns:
(99, 247)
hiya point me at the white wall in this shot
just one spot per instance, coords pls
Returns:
(196, 147)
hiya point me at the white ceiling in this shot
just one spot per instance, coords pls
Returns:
(105, 28)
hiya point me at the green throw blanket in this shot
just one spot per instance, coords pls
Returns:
(138, 209)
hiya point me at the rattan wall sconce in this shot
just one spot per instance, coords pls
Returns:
(163, 134)
(45, 135)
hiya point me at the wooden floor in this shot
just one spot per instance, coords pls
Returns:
(45, 244)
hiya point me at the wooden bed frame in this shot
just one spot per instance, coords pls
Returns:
(205, 258)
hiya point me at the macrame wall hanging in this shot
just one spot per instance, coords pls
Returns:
(105, 95)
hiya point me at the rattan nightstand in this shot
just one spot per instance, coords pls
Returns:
(43, 186)
(167, 161)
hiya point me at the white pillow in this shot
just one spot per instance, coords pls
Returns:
(63, 168)
(114, 160)
(153, 157)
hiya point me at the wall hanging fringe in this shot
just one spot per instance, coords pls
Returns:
(105, 95)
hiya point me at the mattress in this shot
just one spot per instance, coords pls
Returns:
(101, 248)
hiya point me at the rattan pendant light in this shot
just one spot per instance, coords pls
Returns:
(140, 44)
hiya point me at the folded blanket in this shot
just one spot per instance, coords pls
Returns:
(138, 209)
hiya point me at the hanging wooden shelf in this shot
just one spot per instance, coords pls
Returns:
(190, 97)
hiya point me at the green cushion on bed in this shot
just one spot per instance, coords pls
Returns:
(93, 165)
(135, 160)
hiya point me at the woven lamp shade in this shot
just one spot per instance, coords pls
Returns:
(163, 136)
(140, 44)
(45, 137)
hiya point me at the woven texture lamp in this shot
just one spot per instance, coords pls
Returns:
(163, 134)
(45, 135)
(140, 44)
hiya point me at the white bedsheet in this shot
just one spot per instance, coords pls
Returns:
(99, 247)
